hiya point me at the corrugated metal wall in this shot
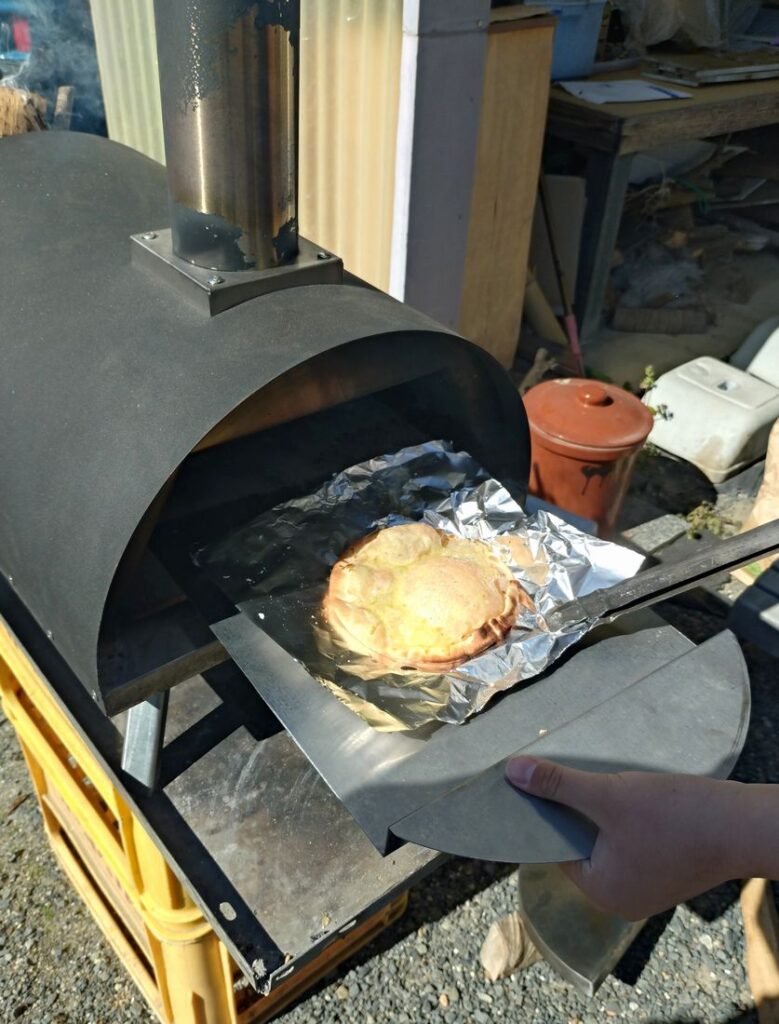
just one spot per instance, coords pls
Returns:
(127, 55)
(350, 71)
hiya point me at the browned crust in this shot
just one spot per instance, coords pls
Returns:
(486, 636)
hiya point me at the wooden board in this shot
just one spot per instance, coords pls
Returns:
(761, 931)
(508, 160)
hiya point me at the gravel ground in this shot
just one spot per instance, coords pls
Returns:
(687, 967)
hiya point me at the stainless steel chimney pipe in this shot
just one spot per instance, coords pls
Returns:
(229, 83)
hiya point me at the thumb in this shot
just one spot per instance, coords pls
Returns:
(583, 791)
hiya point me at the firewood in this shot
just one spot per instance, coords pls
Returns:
(542, 363)
(63, 107)
(660, 321)
(20, 111)
(761, 932)
(507, 948)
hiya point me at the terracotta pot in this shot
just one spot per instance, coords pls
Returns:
(585, 437)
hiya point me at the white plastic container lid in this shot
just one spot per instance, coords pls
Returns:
(727, 383)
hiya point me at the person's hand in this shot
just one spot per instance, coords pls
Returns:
(662, 838)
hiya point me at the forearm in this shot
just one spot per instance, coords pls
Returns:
(751, 830)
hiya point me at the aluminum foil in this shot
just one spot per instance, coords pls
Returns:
(275, 569)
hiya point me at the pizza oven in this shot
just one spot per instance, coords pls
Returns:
(178, 359)
(174, 363)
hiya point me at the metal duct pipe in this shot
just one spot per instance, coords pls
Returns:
(229, 84)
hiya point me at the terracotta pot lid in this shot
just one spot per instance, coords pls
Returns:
(588, 414)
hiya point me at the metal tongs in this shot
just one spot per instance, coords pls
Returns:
(664, 581)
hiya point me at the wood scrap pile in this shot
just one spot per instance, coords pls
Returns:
(20, 112)
(507, 948)
(684, 237)
(735, 179)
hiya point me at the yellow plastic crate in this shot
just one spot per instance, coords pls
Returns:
(170, 950)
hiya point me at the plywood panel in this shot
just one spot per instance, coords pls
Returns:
(514, 105)
(761, 932)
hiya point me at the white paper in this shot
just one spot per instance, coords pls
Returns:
(623, 90)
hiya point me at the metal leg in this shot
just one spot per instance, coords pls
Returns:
(580, 942)
(144, 740)
(607, 182)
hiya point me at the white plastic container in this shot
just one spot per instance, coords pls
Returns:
(765, 363)
(713, 415)
(759, 353)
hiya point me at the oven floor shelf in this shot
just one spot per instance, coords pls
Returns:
(638, 695)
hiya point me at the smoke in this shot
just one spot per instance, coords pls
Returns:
(63, 53)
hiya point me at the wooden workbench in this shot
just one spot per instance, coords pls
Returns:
(611, 133)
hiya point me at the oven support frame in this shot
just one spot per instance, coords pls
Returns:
(249, 943)
(144, 739)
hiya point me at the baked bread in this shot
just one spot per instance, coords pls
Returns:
(534, 567)
(415, 597)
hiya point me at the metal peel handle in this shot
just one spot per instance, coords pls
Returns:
(663, 581)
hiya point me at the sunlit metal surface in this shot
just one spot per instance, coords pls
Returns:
(228, 78)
